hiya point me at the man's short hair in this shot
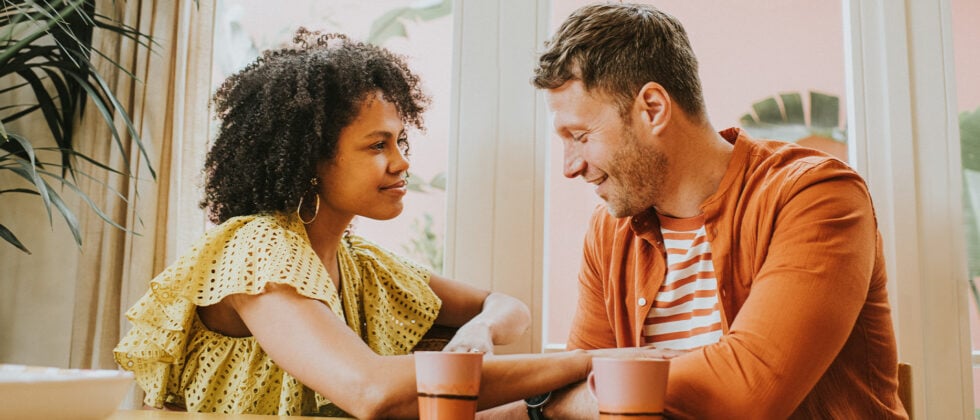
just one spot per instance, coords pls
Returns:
(616, 48)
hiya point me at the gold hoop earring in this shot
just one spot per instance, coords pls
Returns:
(313, 183)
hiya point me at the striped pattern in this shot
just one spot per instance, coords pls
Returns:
(686, 313)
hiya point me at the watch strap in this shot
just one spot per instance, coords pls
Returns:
(535, 406)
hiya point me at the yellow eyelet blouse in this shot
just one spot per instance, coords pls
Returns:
(178, 361)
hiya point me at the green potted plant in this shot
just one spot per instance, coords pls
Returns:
(46, 54)
(782, 117)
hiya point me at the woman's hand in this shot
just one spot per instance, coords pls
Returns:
(472, 337)
(484, 319)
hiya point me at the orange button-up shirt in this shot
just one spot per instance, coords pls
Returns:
(801, 277)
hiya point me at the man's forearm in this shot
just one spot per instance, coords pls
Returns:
(572, 402)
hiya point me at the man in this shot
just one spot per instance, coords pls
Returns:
(760, 259)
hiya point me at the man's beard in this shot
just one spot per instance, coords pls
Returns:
(638, 177)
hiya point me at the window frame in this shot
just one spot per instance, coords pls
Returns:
(901, 91)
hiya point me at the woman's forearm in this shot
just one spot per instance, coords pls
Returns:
(503, 379)
(515, 377)
(507, 317)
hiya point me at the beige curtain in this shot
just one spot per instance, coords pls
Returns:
(168, 106)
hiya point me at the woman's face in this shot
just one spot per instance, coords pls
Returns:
(367, 175)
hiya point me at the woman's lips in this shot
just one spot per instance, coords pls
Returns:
(400, 188)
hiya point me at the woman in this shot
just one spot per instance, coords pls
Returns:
(279, 309)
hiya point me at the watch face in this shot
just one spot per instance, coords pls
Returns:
(537, 399)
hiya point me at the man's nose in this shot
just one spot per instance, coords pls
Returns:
(573, 163)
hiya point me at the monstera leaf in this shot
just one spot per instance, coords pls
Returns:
(782, 117)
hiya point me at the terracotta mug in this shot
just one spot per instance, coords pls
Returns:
(629, 388)
(448, 384)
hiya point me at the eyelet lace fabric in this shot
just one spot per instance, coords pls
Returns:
(176, 360)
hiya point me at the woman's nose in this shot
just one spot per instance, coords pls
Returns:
(399, 162)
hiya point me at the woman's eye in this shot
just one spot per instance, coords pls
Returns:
(378, 146)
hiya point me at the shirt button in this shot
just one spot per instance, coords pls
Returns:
(642, 301)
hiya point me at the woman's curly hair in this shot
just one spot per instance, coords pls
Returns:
(282, 115)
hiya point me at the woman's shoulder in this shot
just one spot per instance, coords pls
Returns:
(242, 255)
(259, 232)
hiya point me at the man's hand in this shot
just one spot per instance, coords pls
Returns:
(577, 402)
(572, 403)
(645, 352)
(516, 410)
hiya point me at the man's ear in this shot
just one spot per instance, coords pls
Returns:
(655, 106)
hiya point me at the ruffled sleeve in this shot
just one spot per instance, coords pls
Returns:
(389, 294)
(242, 255)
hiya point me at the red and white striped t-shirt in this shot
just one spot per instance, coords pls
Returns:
(686, 313)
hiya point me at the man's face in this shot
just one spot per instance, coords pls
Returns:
(616, 155)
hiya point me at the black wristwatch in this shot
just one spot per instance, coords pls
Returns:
(535, 406)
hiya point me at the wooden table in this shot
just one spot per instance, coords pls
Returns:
(178, 415)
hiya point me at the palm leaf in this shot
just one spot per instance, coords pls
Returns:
(88, 200)
(28, 166)
(9, 236)
(43, 30)
(51, 197)
(46, 46)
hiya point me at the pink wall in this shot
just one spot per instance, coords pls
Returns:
(966, 53)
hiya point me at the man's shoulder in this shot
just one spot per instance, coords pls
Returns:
(788, 163)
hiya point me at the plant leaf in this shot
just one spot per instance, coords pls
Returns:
(67, 214)
(415, 183)
(19, 190)
(39, 184)
(106, 114)
(439, 181)
(129, 124)
(44, 100)
(91, 204)
(824, 110)
(970, 139)
(12, 50)
(768, 111)
(75, 153)
(793, 107)
(9, 236)
(391, 24)
(784, 119)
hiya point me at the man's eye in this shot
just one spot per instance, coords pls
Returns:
(378, 146)
(579, 138)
